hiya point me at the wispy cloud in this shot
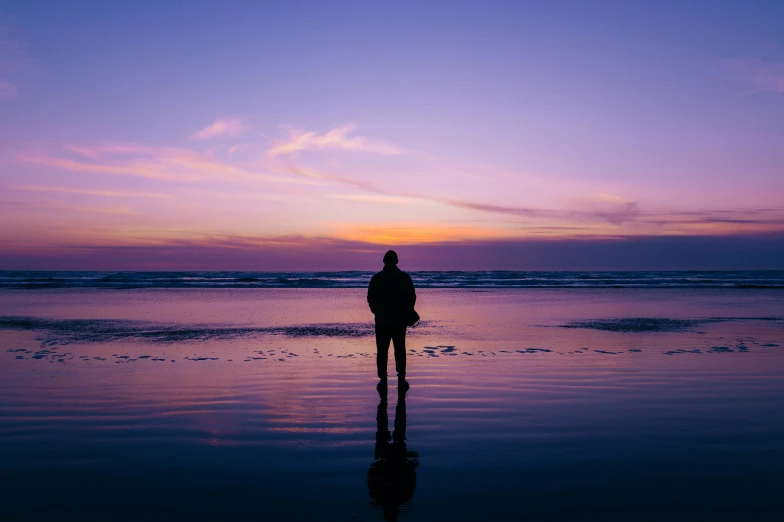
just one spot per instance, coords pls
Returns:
(614, 214)
(220, 128)
(367, 198)
(252, 197)
(428, 205)
(100, 210)
(159, 163)
(608, 207)
(93, 153)
(335, 139)
(494, 209)
(714, 222)
(604, 207)
(604, 215)
(758, 75)
(7, 90)
(87, 192)
(144, 171)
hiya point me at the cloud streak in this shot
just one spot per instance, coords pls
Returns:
(365, 198)
(158, 163)
(230, 128)
(7, 90)
(125, 211)
(87, 192)
(337, 139)
(591, 215)
(400, 213)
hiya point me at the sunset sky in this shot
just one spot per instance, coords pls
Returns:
(307, 135)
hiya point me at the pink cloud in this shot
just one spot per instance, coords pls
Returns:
(504, 204)
(335, 139)
(87, 192)
(100, 210)
(220, 128)
(160, 163)
(759, 76)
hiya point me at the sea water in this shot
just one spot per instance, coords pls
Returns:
(207, 403)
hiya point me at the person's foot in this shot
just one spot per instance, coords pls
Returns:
(382, 385)
(402, 385)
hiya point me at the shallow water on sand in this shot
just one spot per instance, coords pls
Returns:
(262, 404)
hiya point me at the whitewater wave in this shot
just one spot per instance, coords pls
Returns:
(422, 279)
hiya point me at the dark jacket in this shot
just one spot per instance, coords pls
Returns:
(391, 295)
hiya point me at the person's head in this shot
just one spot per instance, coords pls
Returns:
(390, 258)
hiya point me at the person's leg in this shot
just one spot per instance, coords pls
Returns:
(399, 340)
(383, 336)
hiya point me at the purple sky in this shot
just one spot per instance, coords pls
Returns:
(280, 135)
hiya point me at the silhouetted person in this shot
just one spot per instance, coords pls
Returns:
(391, 297)
(392, 476)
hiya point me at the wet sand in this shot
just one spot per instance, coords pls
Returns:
(261, 404)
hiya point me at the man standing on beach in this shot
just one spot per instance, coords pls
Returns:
(391, 297)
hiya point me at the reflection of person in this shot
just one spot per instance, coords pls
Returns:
(391, 297)
(392, 476)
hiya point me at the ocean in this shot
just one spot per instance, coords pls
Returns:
(543, 396)
(422, 279)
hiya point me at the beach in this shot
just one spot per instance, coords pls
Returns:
(214, 217)
(261, 403)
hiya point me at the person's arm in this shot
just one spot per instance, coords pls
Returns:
(411, 292)
(372, 295)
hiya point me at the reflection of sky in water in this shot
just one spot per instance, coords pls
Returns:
(663, 423)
